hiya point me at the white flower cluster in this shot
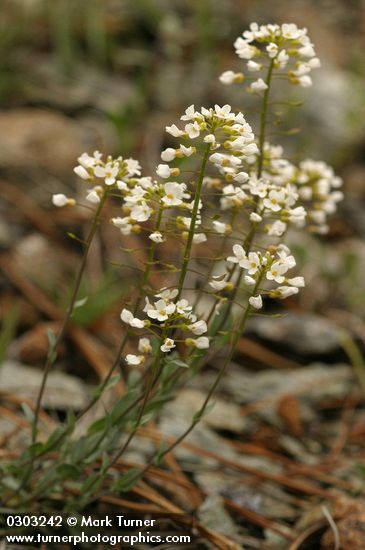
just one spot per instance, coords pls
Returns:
(168, 313)
(286, 46)
(98, 173)
(318, 188)
(284, 195)
(271, 266)
(220, 127)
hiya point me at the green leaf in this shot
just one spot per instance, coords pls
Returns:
(68, 471)
(201, 413)
(127, 481)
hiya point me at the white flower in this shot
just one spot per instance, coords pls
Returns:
(174, 131)
(168, 154)
(305, 81)
(220, 227)
(124, 224)
(141, 212)
(210, 138)
(199, 238)
(241, 177)
(299, 282)
(200, 343)
(167, 293)
(218, 282)
(255, 301)
(251, 263)
(272, 49)
(198, 328)
(193, 130)
(60, 200)
(258, 85)
(274, 200)
(160, 310)
(256, 218)
(164, 171)
(82, 173)
(250, 281)
(168, 345)
(93, 196)
(187, 151)
(244, 50)
(128, 318)
(229, 77)
(174, 193)
(157, 237)
(239, 255)
(277, 229)
(144, 345)
(276, 272)
(285, 291)
(190, 113)
(133, 167)
(253, 66)
(108, 172)
(134, 359)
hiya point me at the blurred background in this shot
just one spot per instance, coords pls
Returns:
(80, 75)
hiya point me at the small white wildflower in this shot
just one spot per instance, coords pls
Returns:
(255, 301)
(239, 255)
(252, 66)
(61, 200)
(108, 172)
(168, 345)
(82, 173)
(128, 318)
(259, 85)
(277, 229)
(174, 131)
(193, 130)
(160, 310)
(200, 343)
(157, 237)
(134, 360)
(93, 196)
(256, 218)
(144, 345)
(220, 227)
(174, 193)
(299, 282)
(230, 77)
(168, 154)
(198, 328)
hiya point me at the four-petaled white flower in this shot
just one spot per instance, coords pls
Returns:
(160, 311)
(108, 172)
(174, 193)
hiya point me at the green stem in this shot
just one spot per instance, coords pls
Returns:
(210, 394)
(194, 216)
(51, 355)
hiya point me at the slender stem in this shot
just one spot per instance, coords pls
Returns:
(51, 355)
(194, 215)
(203, 408)
(260, 163)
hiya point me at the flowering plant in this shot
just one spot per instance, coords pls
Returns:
(224, 194)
